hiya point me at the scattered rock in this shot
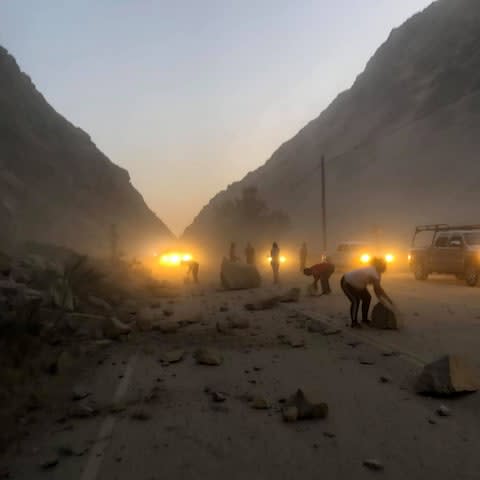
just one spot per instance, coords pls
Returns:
(208, 356)
(145, 319)
(373, 464)
(317, 326)
(49, 462)
(432, 421)
(290, 414)
(82, 410)
(366, 361)
(238, 276)
(218, 397)
(443, 411)
(173, 356)
(354, 344)
(308, 404)
(384, 319)
(240, 323)
(449, 375)
(329, 434)
(260, 403)
(224, 326)
(385, 379)
(80, 392)
(141, 414)
(331, 331)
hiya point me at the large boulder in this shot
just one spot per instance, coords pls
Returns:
(384, 318)
(238, 276)
(449, 375)
(306, 404)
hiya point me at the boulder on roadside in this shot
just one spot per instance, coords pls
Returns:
(292, 296)
(208, 356)
(145, 319)
(384, 319)
(449, 375)
(309, 404)
(239, 276)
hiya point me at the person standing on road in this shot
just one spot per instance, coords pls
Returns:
(250, 254)
(354, 284)
(275, 262)
(321, 272)
(193, 268)
(233, 252)
(303, 257)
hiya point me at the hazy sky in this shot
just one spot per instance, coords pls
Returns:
(190, 95)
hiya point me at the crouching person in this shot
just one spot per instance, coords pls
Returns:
(321, 272)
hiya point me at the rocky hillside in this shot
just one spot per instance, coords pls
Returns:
(401, 145)
(55, 185)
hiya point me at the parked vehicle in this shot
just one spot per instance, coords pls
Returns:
(352, 254)
(453, 250)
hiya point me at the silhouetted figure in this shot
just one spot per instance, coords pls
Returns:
(354, 284)
(275, 262)
(233, 252)
(303, 257)
(250, 254)
(321, 272)
(193, 268)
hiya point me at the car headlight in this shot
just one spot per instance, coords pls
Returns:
(389, 258)
(365, 258)
(282, 259)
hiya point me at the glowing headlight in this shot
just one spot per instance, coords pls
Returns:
(409, 257)
(389, 258)
(365, 258)
(186, 258)
(282, 259)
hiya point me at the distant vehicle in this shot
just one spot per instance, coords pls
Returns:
(353, 254)
(453, 250)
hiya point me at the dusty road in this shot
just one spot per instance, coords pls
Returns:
(160, 421)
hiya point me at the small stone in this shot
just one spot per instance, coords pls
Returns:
(208, 356)
(79, 393)
(290, 414)
(296, 342)
(443, 411)
(354, 344)
(218, 397)
(385, 379)
(49, 462)
(331, 331)
(141, 414)
(366, 361)
(260, 403)
(373, 464)
(173, 356)
(432, 421)
(329, 434)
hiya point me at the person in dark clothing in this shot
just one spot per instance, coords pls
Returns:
(275, 262)
(321, 272)
(193, 268)
(250, 254)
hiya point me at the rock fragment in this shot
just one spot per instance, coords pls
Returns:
(443, 411)
(173, 356)
(309, 404)
(208, 356)
(449, 375)
(373, 464)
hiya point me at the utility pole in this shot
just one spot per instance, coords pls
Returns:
(324, 206)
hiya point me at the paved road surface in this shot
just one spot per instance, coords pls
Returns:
(187, 436)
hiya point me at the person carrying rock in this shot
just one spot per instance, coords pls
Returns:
(275, 262)
(250, 254)
(354, 284)
(321, 272)
(303, 257)
(193, 268)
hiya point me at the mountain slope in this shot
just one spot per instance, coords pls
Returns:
(55, 185)
(401, 145)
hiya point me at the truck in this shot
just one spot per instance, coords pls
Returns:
(453, 250)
